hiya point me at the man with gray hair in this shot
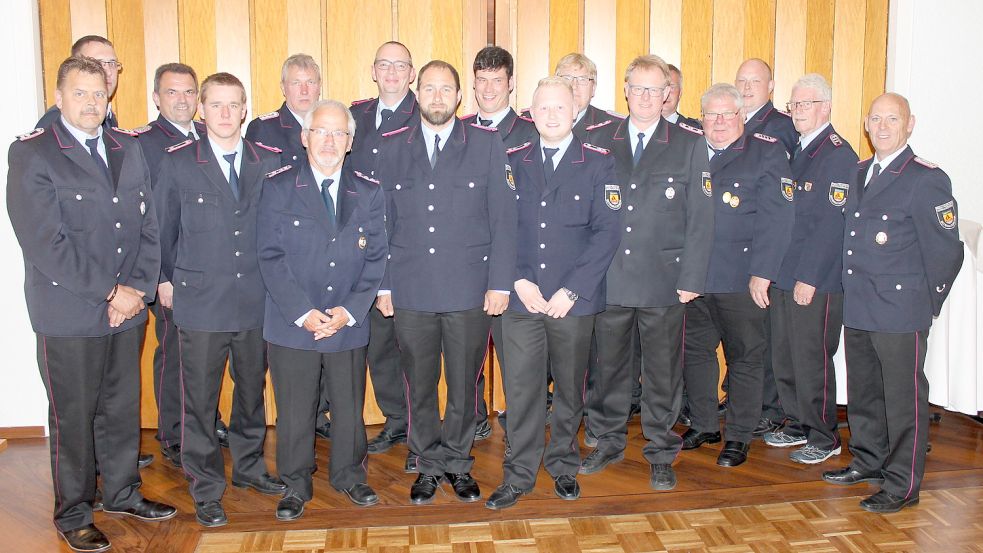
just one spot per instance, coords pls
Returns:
(300, 82)
(753, 221)
(807, 299)
(670, 109)
(322, 252)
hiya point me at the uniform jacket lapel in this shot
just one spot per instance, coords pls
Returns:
(566, 167)
(115, 153)
(309, 191)
(249, 180)
(347, 198)
(533, 162)
(731, 153)
(802, 161)
(210, 167)
(656, 146)
(76, 152)
(888, 174)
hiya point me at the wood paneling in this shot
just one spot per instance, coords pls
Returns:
(759, 30)
(697, 58)
(19, 432)
(354, 30)
(665, 26)
(631, 41)
(848, 67)
(56, 41)
(819, 37)
(196, 35)
(566, 29)
(130, 101)
(728, 39)
(160, 33)
(268, 49)
(533, 44)
(875, 65)
(790, 47)
(600, 25)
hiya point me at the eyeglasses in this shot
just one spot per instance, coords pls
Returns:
(386, 65)
(111, 65)
(636, 90)
(727, 115)
(336, 134)
(806, 105)
(581, 80)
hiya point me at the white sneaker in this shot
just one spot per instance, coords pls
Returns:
(781, 439)
(812, 455)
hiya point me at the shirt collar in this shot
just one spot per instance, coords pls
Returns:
(807, 139)
(753, 113)
(383, 106)
(297, 117)
(184, 131)
(496, 118)
(219, 153)
(79, 134)
(886, 162)
(319, 177)
(581, 114)
(563, 146)
(429, 133)
(672, 117)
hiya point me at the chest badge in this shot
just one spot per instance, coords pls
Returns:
(670, 193)
(362, 242)
(838, 192)
(143, 208)
(707, 187)
(788, 189)
(881, 238)
(725, 197)
(509, 179)
(808, 186)
(612, 196)
(735, 201)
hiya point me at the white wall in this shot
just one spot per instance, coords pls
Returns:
(933, 55)
(22, 396)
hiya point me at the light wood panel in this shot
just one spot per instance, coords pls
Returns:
(697, 58)
(666, 24)
(130, 101)
(566, 29)
(160, 33)
(875, 63)
(819, 37)
(600, 25)
(56, 41)
(848, 71)
(790, 46)
(759, 30)
(631, 41)
(728, 39)
(268, 49)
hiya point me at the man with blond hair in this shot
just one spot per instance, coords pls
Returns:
(590, 122)
(300, 82)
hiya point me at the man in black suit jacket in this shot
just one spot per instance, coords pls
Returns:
(207, 194)
(755, 82)
(671, 105)
(79, 201)
(591, 123)
(101, 50)
(300, 82)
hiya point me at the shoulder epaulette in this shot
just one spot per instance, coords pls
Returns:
(178, 146)
(690, 128)
(599, 125)
(862, 161)
(525, 118)
(525, 112)
(361, 175)
(597, 149)
(125, 131)
(33, 134)
(835, 139)
(520, 147)
(783, 112)
(765, 137)
(143, 129)
(269, 115)
(395, 132)
(616, 114)
(357, 102)
(273, 149)
(469, 116)
(926, 163)
(484, 128)
(276, 172)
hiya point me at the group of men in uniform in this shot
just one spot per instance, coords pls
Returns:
(608, 255)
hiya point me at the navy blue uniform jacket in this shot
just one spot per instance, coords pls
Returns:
(771, 121)
(158, 135)
(365, 148)
(278, 129)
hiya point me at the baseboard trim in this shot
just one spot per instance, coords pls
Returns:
(18, 432)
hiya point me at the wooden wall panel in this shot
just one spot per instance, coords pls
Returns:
(56, 41)
(728, 39)
(875, 65)
(351, 42)
(268, 48)
(600, 24)
(160, 33)
(631, 41)
(848, 71)
(88, 18)
(130, 101)
(474, 34)
(196, 35)
(304, 31)
(533, 45)
(665, 26)
(819, 37)
(697, 58)
(759, 30)
(790, 47)
(566, 29)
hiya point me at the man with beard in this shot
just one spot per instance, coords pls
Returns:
(452, 234)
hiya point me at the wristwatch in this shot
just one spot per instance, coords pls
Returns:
(572, 296)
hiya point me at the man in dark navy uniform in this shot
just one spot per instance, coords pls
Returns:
(901, 254)
(807, 299)
(591, 122)
(661, 265)
(78, 197)
(300, 82)
(207, 194)
(670, 109)
(755, 82)
(568, 232)
(393, 109)
(322, 250)
(753, 221)
(101, 50)
(493, 84)
(451, 219)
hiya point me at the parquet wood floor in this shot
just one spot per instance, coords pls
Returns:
(746, 508)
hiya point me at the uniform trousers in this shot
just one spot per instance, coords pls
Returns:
(93, 387)
(735, 320)
(772, 407)
(462, 337)
(596, 401)
(296, 374)
(660, 332)
(387, 376)
(888, 406)
(203, 359)
(803, 341)
(167, 377)
(532, 341)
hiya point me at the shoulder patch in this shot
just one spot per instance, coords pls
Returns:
(765, 137)
(273, 149)
(835, 139)
(33, 134)
(946, 214)
(598, 149)
(143, 129)
(612, 196)
(616, 114)
(269, 115)
(520, 147)
(484, 128)
(357, 102)
(525, 118)
(361, 175)
(926, 163)
(276, 172)
(395, 132)
(598, 125)
(178, 146)
(689, 128)
(125, 131)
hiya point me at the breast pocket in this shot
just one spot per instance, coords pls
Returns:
(76, 205)
(575, 206)
(668, 193)
(402, 198)
(199, 211)
(470, 195)
(298, 233)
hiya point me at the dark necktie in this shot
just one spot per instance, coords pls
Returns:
(639, 148)
(191, 136)
(233, 177)
(484, 122)
(436, 150)
(328, 202)
(873, 174)
(386, 114)
(797, 150)
(548, 154)
(93, 145)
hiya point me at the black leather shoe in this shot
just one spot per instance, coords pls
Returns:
(684, 418)
(765, 425)
(172, 454)
(222, 432)
(722, 407)
(424, 488)
(145, 509)
(597, 460)
(634, 411)
(504, 497)
(733, 454)
(386, 439)
(322, 431)
(412, 465)
(849, 475)
(482, 431)
(291, 507)
(566, 487)
(886, 502)
(662, 477)
(88, 539)
(465, 488)
(210, 514)
(693, 439)
(265, 484)
(144, 460)
(362, 495)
